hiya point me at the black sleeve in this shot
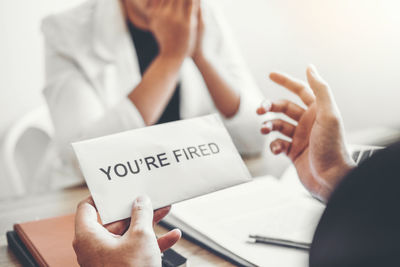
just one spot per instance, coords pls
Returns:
(361, 224)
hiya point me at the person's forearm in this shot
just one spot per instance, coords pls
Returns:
(151, 96)
(225, 98)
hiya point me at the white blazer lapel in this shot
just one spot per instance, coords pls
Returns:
(108, 28)
(113, 46)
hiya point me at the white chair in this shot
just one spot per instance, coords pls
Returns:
(23, 149)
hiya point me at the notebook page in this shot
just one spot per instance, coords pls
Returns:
(263, 206)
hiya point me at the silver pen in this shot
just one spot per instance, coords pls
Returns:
(278, 242)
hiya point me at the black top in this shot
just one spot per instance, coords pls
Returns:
(147, 49)
(361, 223)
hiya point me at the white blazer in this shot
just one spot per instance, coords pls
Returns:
(91, 66)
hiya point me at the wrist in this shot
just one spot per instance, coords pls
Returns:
(199, 58)
(171, 59)
(342, 171)
(336, 175)
(347, 165)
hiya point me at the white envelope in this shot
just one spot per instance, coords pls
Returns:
(170, 162)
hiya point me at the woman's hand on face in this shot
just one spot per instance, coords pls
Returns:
(317, 147)
(174, 23)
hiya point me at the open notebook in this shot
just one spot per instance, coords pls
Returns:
(266, 206)
(277, 208)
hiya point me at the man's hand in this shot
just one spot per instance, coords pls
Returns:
(174, 24)
(121, 243)
(317, 147)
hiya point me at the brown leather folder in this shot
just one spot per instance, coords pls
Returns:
(50, 240)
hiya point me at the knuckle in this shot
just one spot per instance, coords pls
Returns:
(139, 208)
(278, 124)
(140, 231)
(332, 119)
(292, 105)
(285, 105)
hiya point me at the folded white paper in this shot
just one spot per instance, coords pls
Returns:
(170, 162)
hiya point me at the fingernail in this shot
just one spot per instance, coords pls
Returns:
(266, 104)
(140, 199)
(269, 125)
(313, 70)
(178, 231)
(275, 148)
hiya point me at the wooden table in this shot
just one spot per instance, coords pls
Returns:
(63, 202)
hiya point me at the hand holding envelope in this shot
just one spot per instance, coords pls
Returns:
(171, 162)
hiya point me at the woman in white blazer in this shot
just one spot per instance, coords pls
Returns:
(95, 85)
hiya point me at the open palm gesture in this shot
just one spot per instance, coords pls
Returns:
(317, 147)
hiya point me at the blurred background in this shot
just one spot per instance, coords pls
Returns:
(355, 44)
